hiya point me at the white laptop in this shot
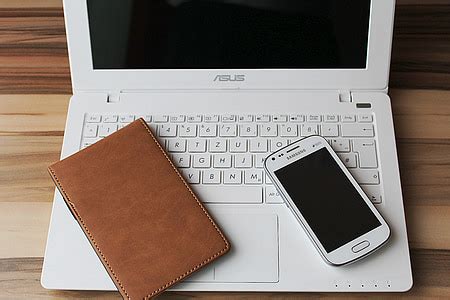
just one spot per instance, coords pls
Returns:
(223, 83)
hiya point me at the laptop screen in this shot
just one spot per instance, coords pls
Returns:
(229, 34)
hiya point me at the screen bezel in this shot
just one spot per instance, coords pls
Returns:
(344, 254)
(373, 77)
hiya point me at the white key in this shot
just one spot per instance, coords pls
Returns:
(373, 192)
(340, 145)
(106, 129)
(314, 118)
(217, 145)
(268, 181)
(258, 145)
(248, 130)
(191, 176)
(262, 118)
(357, 130)
(349, 159)
(348, 118)
(181, 160)
(331, 118)
(163, 142)
(211, 118)
(245, 118)
(366, 176)
(253, 176)
(201, 161)
(194, 118)
(177, 145)
(276, 144)
(211, 177)
(122, 126)
(228, 130)
(160, 119)
(110, 118)
(365, 118)
(222, 160)
(238, 145)
(208, 130)
(147, 118)
(177, 119)
(167, 130)
(309, 129)
(89, 141)
(90, 130)
(330, 130)
(197, 145)
(228, 194)
(268, 130)
(243, 160)
(153, 128)
(187, 130)
(259, 160)
(367, 153)
(93, 118)
(289, 130)
(279, 118)
(126, 118)
(272, 195)
(232, 177)
(228, 118)
(297, 118)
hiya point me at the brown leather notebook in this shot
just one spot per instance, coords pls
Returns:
(142, 219)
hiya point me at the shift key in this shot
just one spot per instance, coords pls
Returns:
(366, 176)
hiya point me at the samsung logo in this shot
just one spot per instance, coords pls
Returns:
(295, 154)
(229, 78)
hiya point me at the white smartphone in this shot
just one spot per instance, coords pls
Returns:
(339, 218)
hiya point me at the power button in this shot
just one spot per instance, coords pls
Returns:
(361, 246)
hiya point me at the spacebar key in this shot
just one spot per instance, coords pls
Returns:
(228, 194)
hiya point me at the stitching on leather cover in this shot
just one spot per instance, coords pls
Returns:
(227, 245)
(87, 230)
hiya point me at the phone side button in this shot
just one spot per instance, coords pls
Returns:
(361, 246)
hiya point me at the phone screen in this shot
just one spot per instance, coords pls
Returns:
(327, 199)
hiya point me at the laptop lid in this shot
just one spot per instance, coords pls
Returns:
(122, 45)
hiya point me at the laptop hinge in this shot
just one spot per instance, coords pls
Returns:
(345, 96)
(113, 97)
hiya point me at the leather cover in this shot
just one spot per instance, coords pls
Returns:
(142, 219)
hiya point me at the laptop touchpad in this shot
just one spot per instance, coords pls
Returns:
(254, 250)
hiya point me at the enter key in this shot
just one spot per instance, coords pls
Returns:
(367, 153)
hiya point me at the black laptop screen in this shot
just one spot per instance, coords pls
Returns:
(229, 34)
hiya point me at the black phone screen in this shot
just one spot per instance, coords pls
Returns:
(327, 199)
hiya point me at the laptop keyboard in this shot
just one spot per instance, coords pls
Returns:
(223, 155)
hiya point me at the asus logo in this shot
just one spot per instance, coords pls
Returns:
(231, 78)
(295, 154)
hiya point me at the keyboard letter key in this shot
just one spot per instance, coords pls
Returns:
(253, 176)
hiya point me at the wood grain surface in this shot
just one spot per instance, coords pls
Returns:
(33, 60)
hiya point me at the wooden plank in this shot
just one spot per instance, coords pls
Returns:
(19, 278)
(30, 3)
(33, 54)
(33, 51)
(421, 114)
(23, 228)
(33, 115)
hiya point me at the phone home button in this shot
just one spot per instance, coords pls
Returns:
(361, 246)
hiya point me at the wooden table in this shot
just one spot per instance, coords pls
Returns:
(34, 67)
